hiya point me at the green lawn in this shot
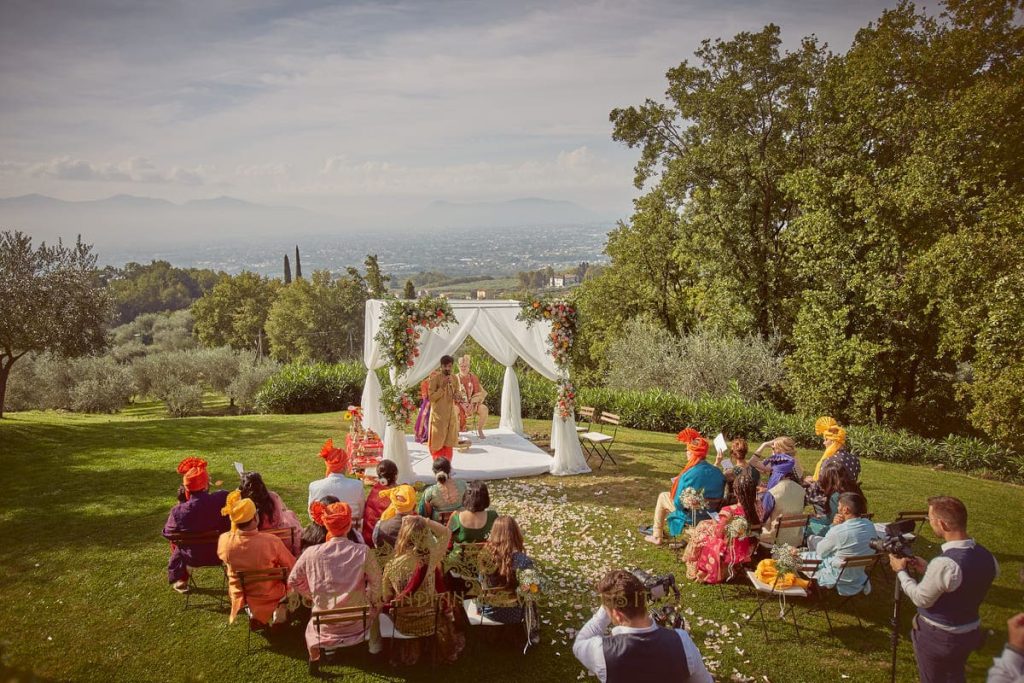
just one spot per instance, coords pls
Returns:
(83, 592)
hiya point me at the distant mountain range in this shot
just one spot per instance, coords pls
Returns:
(131, 220)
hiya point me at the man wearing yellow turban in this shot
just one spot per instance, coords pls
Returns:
(246, 548)
(403, 503)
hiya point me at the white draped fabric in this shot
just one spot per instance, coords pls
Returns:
(494, 326)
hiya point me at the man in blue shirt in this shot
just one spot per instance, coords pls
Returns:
(850, 535)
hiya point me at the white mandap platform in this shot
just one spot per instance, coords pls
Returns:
(502, 455)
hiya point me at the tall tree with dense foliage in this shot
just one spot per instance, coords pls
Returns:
(234, 313)
(375, 279)
(51, 299)
(718, 150)
(287, 271)
(910, 216)
(298, 264)
(155, 287)
(320, 319)
(410, 290)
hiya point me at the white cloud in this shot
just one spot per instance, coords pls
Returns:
(134, 170)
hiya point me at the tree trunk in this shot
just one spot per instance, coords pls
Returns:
(5, 372)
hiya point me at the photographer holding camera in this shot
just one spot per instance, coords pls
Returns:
(637, 649)
(947, 627)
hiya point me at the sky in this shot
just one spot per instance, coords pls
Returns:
(351, 106)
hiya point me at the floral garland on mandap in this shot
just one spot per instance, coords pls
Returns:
(397, 405)
(562, 316)
(401, 326)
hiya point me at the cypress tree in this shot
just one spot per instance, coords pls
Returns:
(298, 263)
(287, 270)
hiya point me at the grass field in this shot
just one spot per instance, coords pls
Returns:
(83, 592)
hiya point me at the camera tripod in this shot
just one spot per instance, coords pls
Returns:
(894, 625)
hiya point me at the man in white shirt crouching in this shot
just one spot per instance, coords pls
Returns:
(637, 648)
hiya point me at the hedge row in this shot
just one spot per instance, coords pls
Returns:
(320, 388)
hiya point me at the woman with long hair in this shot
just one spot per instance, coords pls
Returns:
(505, 554)
(717, 547)
(443, 498)
(833, 481)
(411, 589)
(387, 477)
(271, 510)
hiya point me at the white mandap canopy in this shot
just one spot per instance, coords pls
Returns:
(494, 326)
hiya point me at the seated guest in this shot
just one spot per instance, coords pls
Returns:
(739, 462)
(850, 535)
(781, 446)
(834, 481)
(198, 513)
(246, 548)
(505, 546)
(336, 483)
(784, 495)
(714, 549)
(834, 438)
(473, 523)
(698, 474)
(337, 573)
(271, 510)
(316, 533)
(387, 475)
(1009, 666)
(440, 500)
(402, 503)
(637, 648)
(411, 585)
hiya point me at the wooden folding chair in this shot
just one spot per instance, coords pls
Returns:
(600, 443)
(586, 414)
(250, 578)
(765, 592)
(786, 522)
(340, 615)
(285, 533)
(201, 538)
(865, 562)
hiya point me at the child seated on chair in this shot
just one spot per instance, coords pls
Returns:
(246, 548)
(505, 554)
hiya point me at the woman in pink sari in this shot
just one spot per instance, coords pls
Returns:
(717, 547)
(273, 513)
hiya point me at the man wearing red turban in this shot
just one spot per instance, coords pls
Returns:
(197, 512)
(699, 475)
(337, 573)
(337, 483)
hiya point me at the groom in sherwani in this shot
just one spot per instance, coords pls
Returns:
(444, 420)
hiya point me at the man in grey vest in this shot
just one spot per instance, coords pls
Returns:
(637, 648)
(947, 628)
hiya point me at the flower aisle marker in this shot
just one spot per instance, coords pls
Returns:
(531, 587)
(401, 326)
(787, 559)
(562, 316)
(530, 584)
(693, 500)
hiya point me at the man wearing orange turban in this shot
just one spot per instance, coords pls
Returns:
(337, 573)
(699, 475)
(246, 548)
(337, 483)
(198, 511)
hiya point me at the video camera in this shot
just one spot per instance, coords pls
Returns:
(657, 588)
(895, 541)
